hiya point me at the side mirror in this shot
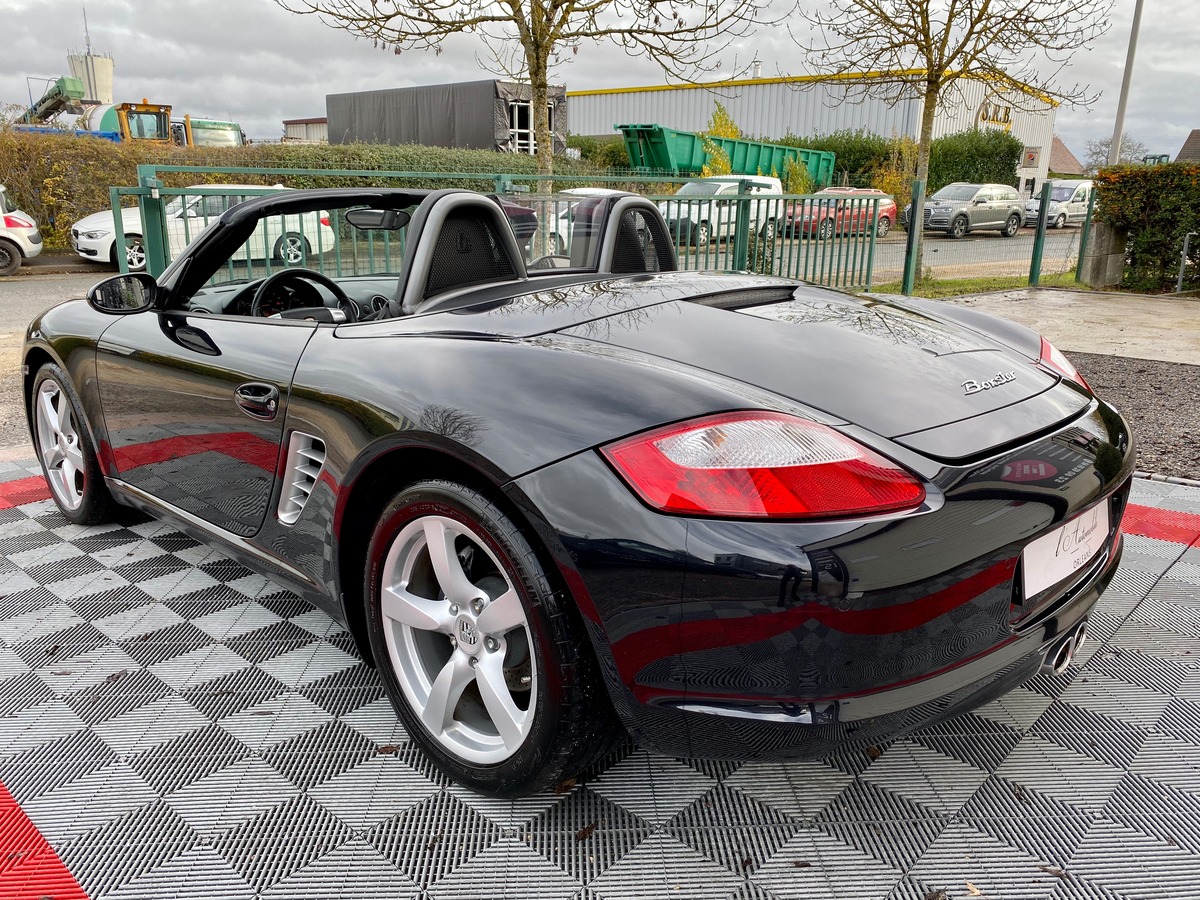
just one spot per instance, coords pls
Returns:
(122, 295)
(980, 200)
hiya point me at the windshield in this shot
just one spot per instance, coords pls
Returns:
(1062, 193)
(700, 187)
(956, 192)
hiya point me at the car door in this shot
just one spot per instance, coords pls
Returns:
(194, 408)
(983, 209)
(1077, 208)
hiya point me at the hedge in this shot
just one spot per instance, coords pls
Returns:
(1157, 206)
(59, 179)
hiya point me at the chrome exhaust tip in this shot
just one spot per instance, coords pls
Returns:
(1062, 652)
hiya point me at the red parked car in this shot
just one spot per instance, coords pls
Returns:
(840, 210)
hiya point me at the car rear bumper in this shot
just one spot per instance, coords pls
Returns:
(789, 639)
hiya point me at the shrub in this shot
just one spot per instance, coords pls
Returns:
(987, 155)
(603, 153)
(858, 153)
(1157, 206)
(59, 179)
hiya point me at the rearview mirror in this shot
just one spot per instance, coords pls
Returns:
(381, 219)
(124, 294)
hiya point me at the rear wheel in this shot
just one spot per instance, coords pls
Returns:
(825, 230)
(701, 235)
(65, 450)
(1011, 226)
(10, 257)
(958, 227)
(292, 249)
(476, 650)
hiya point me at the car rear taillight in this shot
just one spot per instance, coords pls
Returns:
(761, 465)
(325, 220)
(17, 222)
(1052, 358)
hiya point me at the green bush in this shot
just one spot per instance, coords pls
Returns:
(59, 179)
(987, 155)
(858, 153)
(1157, 206)
(603, 153)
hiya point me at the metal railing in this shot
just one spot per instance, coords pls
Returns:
(818, 238)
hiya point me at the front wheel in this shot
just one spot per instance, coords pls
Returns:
(825, 231)
(958, 227)
(1061, 221)
(1011, 226)
(135, 253)
(65, 450)
(476, 650)
(882, 227)
(701, 235)
(291, 249)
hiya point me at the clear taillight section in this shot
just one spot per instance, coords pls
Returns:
(1052, 358)
(761, 465)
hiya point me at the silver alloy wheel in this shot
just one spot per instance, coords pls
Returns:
(292, 248)
(1061, 221)
(461, 650)
(135, 252)
(59, 446)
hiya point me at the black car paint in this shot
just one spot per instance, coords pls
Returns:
(526, 389)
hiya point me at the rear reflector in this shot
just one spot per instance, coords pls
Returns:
(761, 465)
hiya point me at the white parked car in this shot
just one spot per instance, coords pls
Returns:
(707, 208)
(290, 241)
(1068, 204)
(19, 236)
(564, 218)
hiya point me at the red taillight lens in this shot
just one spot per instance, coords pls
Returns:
(325, 220)
(761, 465)
(17, 222)
(1053, 358)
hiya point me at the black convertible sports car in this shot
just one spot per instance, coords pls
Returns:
(740, 515)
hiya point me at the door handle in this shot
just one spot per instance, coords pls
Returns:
(258, 400)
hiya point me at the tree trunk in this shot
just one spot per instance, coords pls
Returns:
(924, 142)
(538, 75)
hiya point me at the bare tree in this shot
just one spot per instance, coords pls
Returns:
(920, 48)
(1132, 151)
(527, 38)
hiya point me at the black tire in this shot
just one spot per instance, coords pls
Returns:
(1011, 227)
(825, 230)
(80, 494)
(882, 227)
(959, 227)
(567, 715)
(1061, 221)
(10, 257)
(291, 249)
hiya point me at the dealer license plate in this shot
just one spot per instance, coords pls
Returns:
(1065, 550)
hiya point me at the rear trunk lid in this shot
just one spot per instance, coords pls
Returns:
(895, 371)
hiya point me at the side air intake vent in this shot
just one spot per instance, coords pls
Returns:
(306, 458)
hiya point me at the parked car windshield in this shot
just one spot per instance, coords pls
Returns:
(701, 187)
(1061, 193)
(956, 192)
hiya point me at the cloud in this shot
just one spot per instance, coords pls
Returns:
(257, 64)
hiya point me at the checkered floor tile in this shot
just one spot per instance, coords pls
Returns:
(173, 726)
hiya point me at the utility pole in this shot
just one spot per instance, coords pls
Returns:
(1114, 151)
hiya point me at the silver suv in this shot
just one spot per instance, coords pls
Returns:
(960, 208)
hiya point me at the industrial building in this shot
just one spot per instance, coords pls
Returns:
(477, 115)
(806, 105)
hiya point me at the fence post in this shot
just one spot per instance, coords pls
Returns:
(1039, 239)
(916, 224)
(1187, 240)
(741, 228)
(1086, 235)
(154, 231)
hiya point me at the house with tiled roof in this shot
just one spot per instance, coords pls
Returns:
(1062, 160)
(1191, 147)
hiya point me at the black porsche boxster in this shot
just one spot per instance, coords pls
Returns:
(741, 516)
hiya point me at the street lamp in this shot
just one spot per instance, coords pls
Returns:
(1114, 150)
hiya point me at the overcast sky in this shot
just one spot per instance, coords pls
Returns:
(252, 62)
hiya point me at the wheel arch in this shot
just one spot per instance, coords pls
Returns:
(376, 483)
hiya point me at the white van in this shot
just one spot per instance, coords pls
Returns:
(1068, 204)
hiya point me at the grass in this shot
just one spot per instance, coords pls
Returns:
(933, 288)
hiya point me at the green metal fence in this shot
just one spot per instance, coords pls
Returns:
(819, 238)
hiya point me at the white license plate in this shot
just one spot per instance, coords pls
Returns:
(1065, 550)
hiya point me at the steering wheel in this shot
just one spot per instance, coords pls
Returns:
(316, 313)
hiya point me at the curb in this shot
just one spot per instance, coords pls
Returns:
(1168, 479)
